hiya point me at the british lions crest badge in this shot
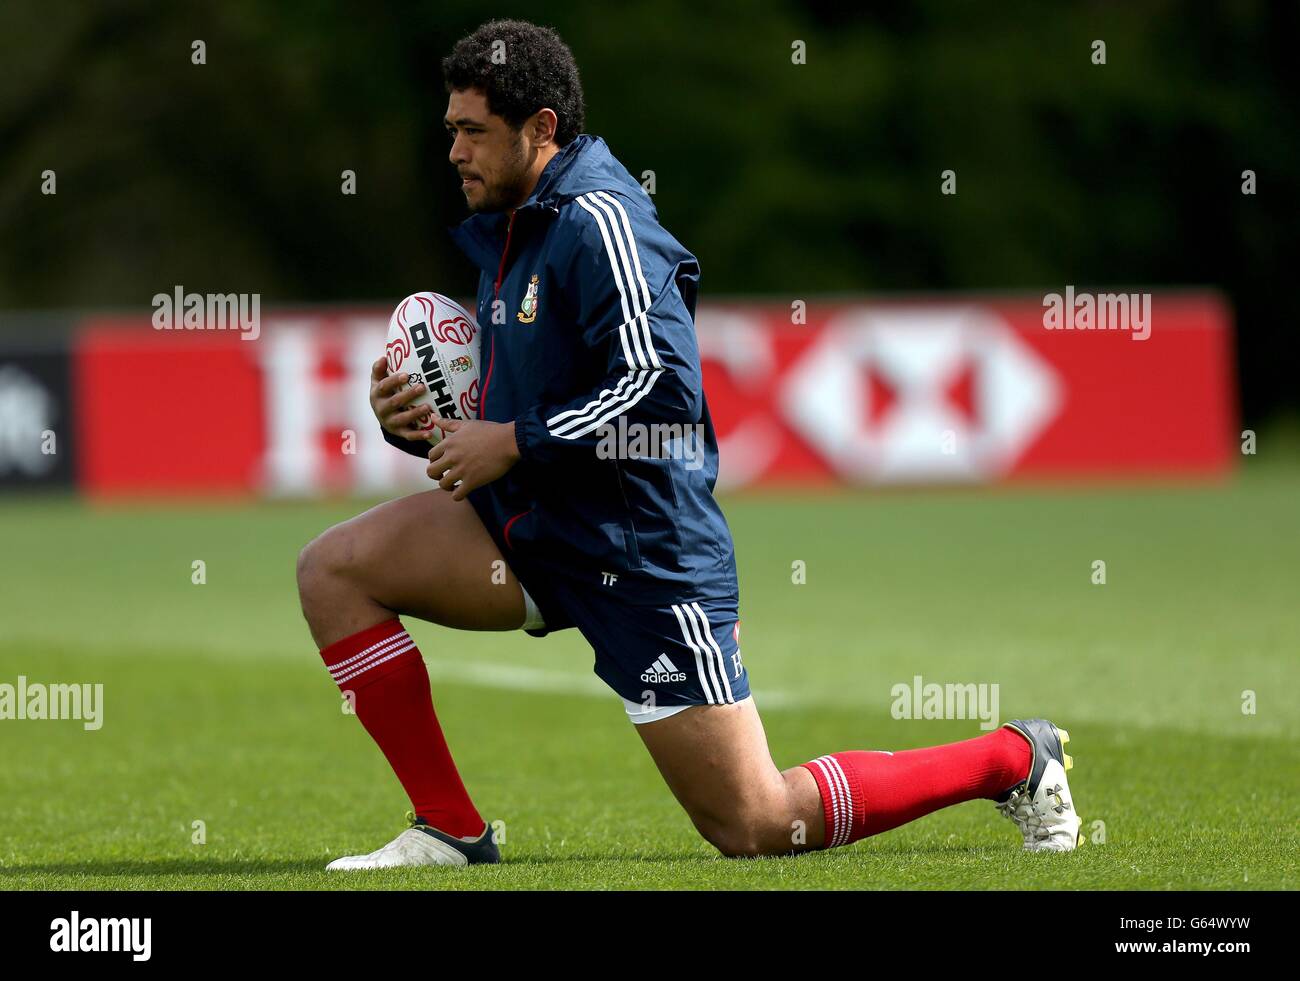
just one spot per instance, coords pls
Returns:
(528, 309)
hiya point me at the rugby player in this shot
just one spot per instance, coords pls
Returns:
(586, 306)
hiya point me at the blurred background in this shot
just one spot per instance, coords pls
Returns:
(1163, 162)
(126, 170)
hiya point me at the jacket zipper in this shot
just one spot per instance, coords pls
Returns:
(496, 291)
(501, 269)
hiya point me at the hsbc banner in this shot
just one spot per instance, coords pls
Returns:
(922, 391)
(981, 390)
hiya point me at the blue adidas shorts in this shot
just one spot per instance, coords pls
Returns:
(660, 659)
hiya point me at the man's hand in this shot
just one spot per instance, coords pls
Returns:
(472, 453)
(389, 405)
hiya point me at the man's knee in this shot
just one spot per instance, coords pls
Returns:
(326, 558)
(746, 833)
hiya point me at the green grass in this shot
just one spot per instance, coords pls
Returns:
(217, 707)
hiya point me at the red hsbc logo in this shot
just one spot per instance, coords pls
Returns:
(920, 395)
(943, 391)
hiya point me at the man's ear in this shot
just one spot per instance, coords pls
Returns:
(543, 126)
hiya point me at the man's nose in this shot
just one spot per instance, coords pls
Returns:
(458, 154)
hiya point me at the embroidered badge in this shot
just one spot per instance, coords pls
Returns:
(528, 309)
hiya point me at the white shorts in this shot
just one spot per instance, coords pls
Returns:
(641, 714)
(532, 615)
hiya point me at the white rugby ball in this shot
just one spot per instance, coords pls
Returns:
(436, 341)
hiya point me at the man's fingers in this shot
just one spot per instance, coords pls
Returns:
(440, 464)
(402, 398)
(379, 369)
(447, 481)
(389, 409)
(408, 416)
(407, 428)
(391, 384)
(446, 425)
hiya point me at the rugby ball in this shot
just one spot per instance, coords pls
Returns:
(436, 341)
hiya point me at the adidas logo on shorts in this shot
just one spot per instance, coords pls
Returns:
(663, 670)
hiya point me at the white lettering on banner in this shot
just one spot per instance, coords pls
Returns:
(306, 412)
(26, 411)
(741, 344)
(377, 466)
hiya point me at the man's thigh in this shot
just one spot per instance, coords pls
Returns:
(429, 557)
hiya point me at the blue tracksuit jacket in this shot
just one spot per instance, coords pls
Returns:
(586, 306)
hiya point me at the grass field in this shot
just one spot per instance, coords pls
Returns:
(217, 708)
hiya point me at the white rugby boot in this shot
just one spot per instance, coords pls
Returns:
(421, 844)
(1041, 805)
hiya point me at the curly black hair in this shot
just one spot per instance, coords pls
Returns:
(521, 68)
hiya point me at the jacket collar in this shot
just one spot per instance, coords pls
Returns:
(584, 165)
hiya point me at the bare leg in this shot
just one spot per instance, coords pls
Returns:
(429, 557)
(425, 555)
(715, 760)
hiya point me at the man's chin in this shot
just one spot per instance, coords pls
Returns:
(481, 205)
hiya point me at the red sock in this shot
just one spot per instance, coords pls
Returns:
(383, 669)
(865, 793)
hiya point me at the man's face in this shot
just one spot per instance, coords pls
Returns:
(489, 155)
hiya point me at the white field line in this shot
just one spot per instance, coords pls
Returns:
(509, 677)
(519, 678)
